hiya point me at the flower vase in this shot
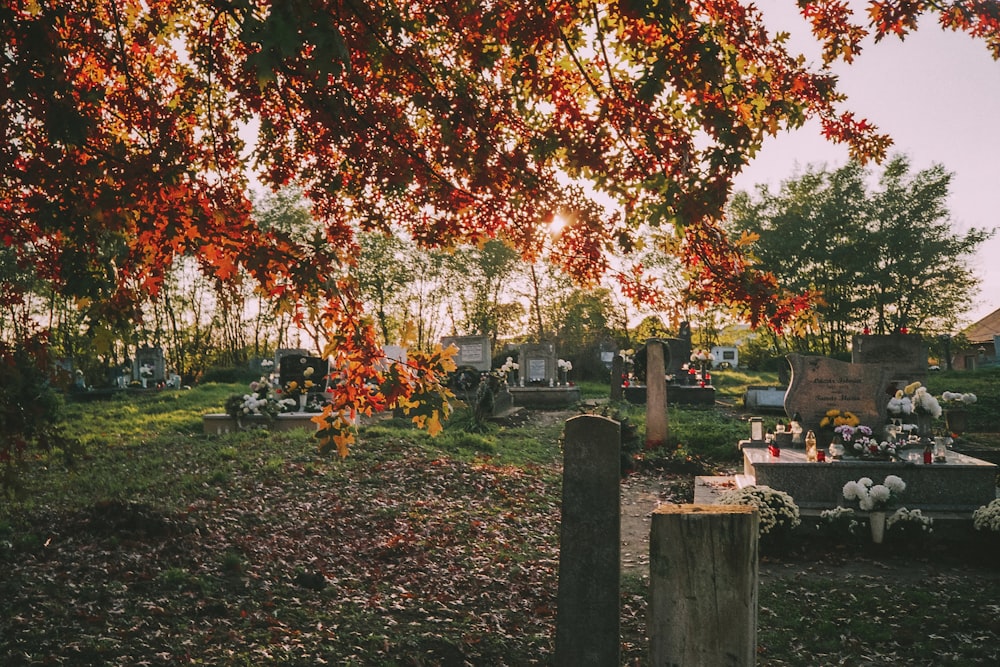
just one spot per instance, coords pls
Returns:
(955, 421)
(924, 428)
(145, 383)
(562, 378)
(876, 521)
(302, 402)
(836, 448)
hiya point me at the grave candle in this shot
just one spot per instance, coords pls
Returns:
(811, 450)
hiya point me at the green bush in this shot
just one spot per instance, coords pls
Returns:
(30, 409)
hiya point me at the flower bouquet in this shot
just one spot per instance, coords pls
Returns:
(509, 370)
(564, 368)
(258, 401)
(873, 497)
(954, 404)
(859, 441)
(829, 423)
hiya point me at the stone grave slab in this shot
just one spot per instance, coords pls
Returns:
(961, 483)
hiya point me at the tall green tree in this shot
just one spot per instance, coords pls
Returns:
(481, 277)
(881, 253)
(384, 272)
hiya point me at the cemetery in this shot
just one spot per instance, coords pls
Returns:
(595, 574)
(452, 334)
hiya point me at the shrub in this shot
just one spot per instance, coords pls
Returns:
(30, 408)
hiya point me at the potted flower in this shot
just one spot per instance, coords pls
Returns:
(841, 522)
(955, 415)
(564, 368)
(875, 499)
(509, 370)
(779, 514)
(830, 421)
(146, 373)
(987, 520)
(911, 525)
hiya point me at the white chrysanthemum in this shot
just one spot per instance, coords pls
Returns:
(895, 484)
(880, 493)
(866, 482)
(987, 517)
(852, 491)
(866, 504)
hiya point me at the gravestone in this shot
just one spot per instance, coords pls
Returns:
(902, 356)
(293, 368)
(588, 599)
(819, 384)
(656, 395)
(283, 352)
(149, 357)
(538, 364)
(473, 351)
(676, 353)
(394, 353)
(617, 371)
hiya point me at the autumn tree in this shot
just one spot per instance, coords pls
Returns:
(123, 125)
(882, 253)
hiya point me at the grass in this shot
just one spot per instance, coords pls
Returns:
(161, 545)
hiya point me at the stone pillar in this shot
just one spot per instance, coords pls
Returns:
(703, 585)
(617, 367)
(588, 600)
(656, 395)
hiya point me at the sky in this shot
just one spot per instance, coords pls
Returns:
(938, 95)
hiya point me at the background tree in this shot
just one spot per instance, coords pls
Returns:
(480, 278)
(384, 272)
(882, 257)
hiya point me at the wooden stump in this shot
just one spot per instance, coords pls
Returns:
(703, 585)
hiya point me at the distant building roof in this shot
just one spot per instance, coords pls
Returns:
(984, 330)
